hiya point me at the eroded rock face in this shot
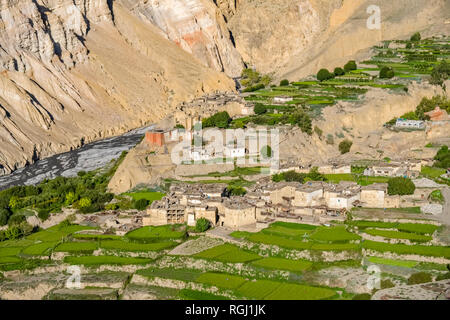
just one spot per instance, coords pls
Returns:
(294, 39)
(73, 71)
(197, 26)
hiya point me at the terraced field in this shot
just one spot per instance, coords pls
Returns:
(248, 269)
(408, 64)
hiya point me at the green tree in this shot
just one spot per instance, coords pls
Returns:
(440, 73)
(292, 176)
(386, 73)
(14, 202)
(84, 203)
(220, 120)
(259, 108)
(400, 186)
(315, 175)
(442, 158)
(16, 219)
(202, 225)
(339, 71)
(351, 65)
(70, 198)
(284, 83)
(324, 74)
(345, 146)
(416, 37)
(427, 105)
(236, 191)
(4, 216)
(140, 204)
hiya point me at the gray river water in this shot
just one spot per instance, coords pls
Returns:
(89, 157)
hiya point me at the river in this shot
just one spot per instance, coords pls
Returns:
(87, 158)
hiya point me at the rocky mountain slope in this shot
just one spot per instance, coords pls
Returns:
(295, 38)
(75, 71)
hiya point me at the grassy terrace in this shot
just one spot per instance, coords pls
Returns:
(248, 272)
(303, 237)
(312, 95)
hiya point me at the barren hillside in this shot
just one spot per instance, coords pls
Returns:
(76, 71)
(73, 73)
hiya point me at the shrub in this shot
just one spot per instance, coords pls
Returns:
(345, 146)
(400, 186)
(84, 203)
(81, 173)
(260, 108)
(444, 276)
(140, 204)
(409, 45)
(339, 72)
(236, 191)
(112, 206)
(43, 214)
(220, 120)
(386, 284)
(284, 83)
(302, 119)
(419, 277)
(4, 216)
(202, 225)
(387, 73)
(362, 296)
(291, 176)
(351, 65)
(324, 74)
(416, 37)
(16, 219)
(318, 131)
(70, 198)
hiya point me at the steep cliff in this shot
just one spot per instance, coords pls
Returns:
(296, 38)
(75, 71)
(197, 26)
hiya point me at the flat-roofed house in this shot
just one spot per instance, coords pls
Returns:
(308, 194)
(373, 196)
(279, 192)
(409, 124)
(202, 211)
(238, 213)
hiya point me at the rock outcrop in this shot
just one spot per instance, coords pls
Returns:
(75, 71)
(197, 26)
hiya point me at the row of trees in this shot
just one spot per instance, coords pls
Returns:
(292, 176)
(324, 74)
(86, 192)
